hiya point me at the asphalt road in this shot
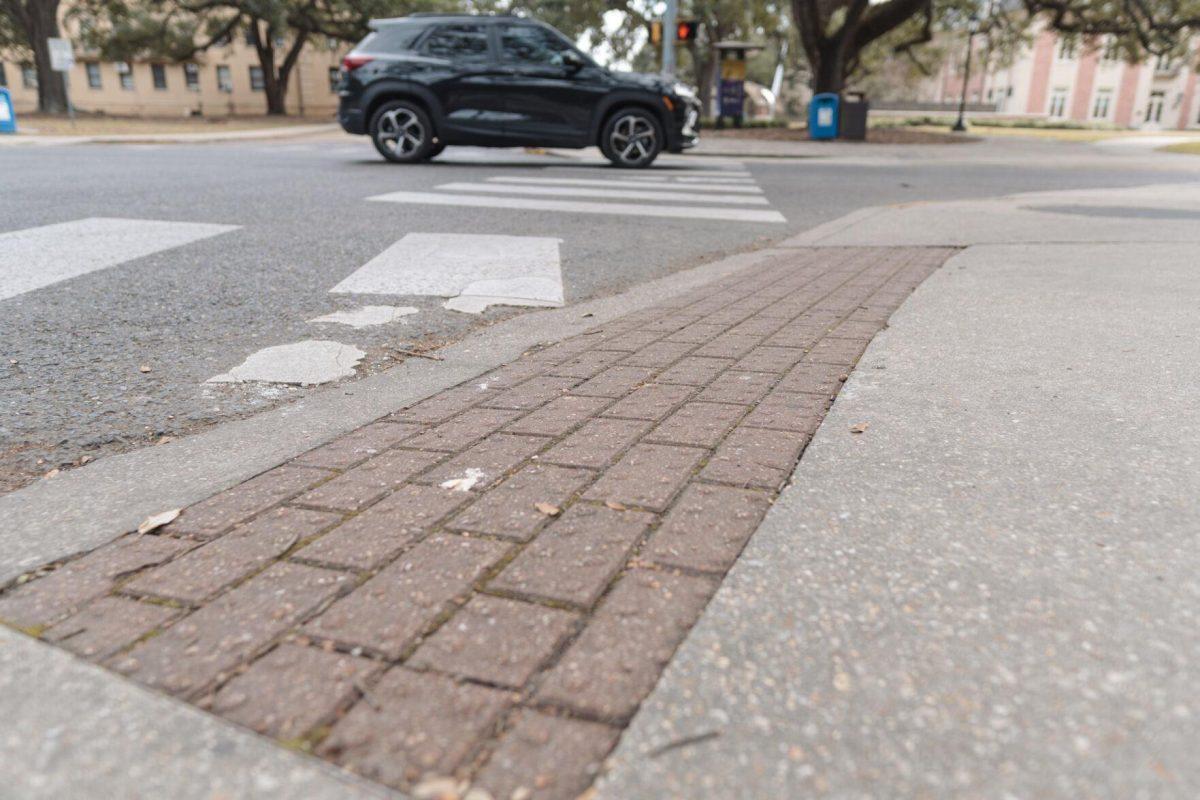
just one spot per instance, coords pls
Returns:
(118, 357)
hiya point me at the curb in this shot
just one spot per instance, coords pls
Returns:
(174, 138)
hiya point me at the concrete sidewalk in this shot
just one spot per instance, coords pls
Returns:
(253, 134)
(991, 592)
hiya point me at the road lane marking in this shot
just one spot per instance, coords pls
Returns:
(473, 270)
(637, 193)
(580, 207)
(367, 316)
(617, 184)
(37, 257)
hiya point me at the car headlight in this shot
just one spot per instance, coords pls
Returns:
(683, 90)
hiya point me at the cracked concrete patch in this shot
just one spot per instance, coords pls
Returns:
(367, 316)
(303, 363)
(475, 271)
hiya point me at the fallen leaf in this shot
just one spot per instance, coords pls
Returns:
(85, 460)
(144, 368)
(860, 427)
(614, 505)
(52, 473)
(158, 520)
(548, 509)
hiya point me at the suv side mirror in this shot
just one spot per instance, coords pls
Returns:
(572, 61)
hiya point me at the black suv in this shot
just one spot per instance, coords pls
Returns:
(417, 84)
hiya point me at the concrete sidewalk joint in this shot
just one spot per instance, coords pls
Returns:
(484, 586)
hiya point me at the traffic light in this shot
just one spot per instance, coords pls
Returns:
(656, 32)
(685, 30)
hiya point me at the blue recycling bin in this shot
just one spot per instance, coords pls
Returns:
(8, 117)
(823, 116)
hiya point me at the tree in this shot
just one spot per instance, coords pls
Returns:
(277, 29)
(25, 26)
(1136, 27)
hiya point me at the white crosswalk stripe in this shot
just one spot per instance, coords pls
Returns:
(639, 191)
(37, 257)
(619, 184)
(580, 207)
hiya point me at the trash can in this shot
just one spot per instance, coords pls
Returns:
(823, 116)
(852, 117)
(8, 117)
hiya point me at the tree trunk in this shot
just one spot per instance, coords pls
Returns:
(42, 24)
(829, 71)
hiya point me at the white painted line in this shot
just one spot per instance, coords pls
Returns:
(696, 187)
(367, 316)
(637, 193)
(714, 179)
(580, 207)
(304, 363)
(37, 257)
(475, 270)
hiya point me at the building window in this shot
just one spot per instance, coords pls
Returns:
(335, 75)
(1058, 102)
(3, 76)
(191, 77)
(1101, 104)
(1164, 63)
(159, 73)
(1154, 108)
(256, 79)
(1066, 48)
(28, 76)
(224, 79)
(93, 74)
(125, 74)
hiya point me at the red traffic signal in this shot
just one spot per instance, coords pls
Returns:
(686, 29)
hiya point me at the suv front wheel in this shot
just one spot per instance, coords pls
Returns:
(631, 138)
(402, 132)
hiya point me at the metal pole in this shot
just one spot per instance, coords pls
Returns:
(961, 124)
(668, 45)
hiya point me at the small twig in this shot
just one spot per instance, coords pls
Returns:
(684, 742)
(416, 354)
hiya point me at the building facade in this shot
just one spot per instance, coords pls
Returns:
(221, 82)
(1082, 80)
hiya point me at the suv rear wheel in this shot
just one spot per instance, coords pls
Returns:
(402, 132)
(631, 138)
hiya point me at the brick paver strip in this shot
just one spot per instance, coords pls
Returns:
(559, 416)
(464, 430)
(488, 461)
(108, 625)
(289, 691)
(698, 424)
(496, 641)
(369, 481)
(195, 651)
(389, 612)
(707, 528)
(511, 510)
(651, 402)
(212, 517)
(617, 659)
(545, 757)
(414, 724)
(43, 601)
(742, 388)
(377, 535)
(499, 629)
(356, 447)
(597, 443)
(755, 457)
(694, 370)
(615, 381)
(648, 476)
(206, 570)
(574, 560)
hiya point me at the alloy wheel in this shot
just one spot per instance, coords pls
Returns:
(401, 132)
(633, 138)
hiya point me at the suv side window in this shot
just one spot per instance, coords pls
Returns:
(458, 42)
(394, 38)
(531, 45)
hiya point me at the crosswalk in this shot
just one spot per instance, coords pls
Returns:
(713, 194)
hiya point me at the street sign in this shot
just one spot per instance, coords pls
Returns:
(62, 55)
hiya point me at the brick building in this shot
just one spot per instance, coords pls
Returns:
(224, 81)
(1083, 80)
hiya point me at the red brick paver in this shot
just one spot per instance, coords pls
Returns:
(485, 585)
